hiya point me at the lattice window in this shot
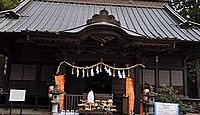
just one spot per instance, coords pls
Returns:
(177, 78)
(47, 73)
(23, 72)
(149, 76)
(164, 77)
(16, 72)
(29, 72)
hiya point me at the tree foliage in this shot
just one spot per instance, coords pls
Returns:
(192, 81)
(8, 4)
(190, 9)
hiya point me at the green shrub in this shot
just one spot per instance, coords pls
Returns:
(168, 94)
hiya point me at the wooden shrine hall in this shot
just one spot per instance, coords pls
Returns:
(39, 34)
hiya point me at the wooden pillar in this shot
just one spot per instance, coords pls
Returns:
(38, 72)
(198, 75)
(3, 60)
(185, 83)
(7, 82)
(36, 103)
(170, 77)
(38, 78)
(137, 91)
(156, 74)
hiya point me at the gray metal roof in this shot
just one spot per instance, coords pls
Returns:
(49, 16)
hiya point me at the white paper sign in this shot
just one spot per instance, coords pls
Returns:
(166, 108)
(17, 95)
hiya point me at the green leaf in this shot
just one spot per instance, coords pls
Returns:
(8, 4)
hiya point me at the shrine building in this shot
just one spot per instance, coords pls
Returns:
(38, 35)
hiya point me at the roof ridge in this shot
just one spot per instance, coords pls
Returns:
(175, 13)
(22, 4)
(134, 4)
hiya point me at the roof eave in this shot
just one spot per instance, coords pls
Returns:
(102, 24)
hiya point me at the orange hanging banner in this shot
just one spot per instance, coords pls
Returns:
(130, 93)
(60, 81)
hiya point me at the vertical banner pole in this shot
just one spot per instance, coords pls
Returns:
(156, 74)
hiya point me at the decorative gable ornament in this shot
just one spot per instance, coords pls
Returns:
(103, 16)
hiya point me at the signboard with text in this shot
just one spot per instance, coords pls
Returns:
(166, 108)
(17, 95)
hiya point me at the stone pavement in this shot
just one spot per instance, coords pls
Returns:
(25, 111)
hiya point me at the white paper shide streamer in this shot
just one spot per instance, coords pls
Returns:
(123, 74)
(119, 74)
(83, 73)
(72, 71)
(87, 72)
(109, 72)
(77, 72)
(97, 69)
(92, 72)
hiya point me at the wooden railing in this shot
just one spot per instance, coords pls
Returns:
(72, 100)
